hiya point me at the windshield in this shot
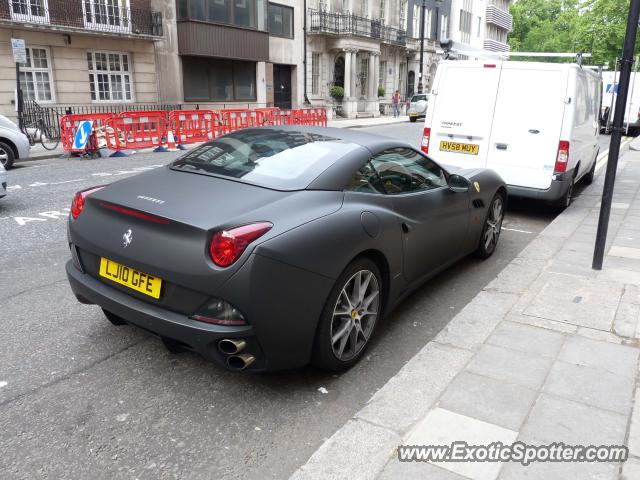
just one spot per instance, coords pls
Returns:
(278, 159)
(417, 98)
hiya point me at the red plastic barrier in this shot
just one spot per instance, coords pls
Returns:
(69, 126)
(132, 130)
(266, 116)
(234, 119)
(191, 126)
(309, 116)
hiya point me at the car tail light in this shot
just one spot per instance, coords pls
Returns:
(77, 205)
(426, 136)
(563, 157)
(227, 246)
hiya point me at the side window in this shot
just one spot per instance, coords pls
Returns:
(365, 180)
(404, 170)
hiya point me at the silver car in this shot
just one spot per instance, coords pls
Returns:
(13, 143)
(3, 181)
(418, 106)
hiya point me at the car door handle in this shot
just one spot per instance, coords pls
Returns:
(405, 228)
(501, 146)
(534, 131)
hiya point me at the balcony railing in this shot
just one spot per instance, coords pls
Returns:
(499, 17)
(495, 45)
(347, 24)
(99, 16)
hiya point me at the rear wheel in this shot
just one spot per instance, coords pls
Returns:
(564, 201)
(7, 156)
(492, 228)
(591, 175)
(349, 317)
(47, 142)
(113, 318)
(412, 119)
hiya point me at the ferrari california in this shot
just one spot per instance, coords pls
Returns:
(276, 247)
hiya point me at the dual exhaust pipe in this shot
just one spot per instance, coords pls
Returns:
(233, 347)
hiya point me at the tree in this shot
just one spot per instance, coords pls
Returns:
(595, 26)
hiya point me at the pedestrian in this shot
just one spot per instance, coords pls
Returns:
(395, 103)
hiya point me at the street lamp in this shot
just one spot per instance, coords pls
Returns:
(422, 9)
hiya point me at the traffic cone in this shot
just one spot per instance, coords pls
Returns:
(171, 141)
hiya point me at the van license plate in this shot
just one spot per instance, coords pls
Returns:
(129, 277)
(468, 148)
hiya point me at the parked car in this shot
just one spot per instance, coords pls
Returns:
(536, 124)
(3, 181)
(13, 143)
(418, 106)
(270, 248)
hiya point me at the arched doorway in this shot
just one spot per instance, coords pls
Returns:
(411, 83)
(338, 71)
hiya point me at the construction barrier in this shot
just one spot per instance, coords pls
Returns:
(192, 126)
(134, 130)
(157, 129)
(69, 126)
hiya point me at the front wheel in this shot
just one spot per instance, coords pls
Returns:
(6, 156)
(492, 228)
(47, 142)
(349, 317)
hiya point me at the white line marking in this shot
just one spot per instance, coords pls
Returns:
(516, 230)
(602, 158)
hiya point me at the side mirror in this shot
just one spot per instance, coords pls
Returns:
(458, 184)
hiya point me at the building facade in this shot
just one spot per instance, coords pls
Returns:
(481, 24)
(95, 52)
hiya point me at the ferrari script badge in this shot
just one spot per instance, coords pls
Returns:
(477, 185)
(127, 238)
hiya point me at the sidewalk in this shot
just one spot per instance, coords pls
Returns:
(547, 352)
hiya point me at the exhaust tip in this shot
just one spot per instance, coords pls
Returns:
(230, 346)
(240, 362)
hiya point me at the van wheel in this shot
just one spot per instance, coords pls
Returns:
(412, 119)
(564, 201)
(589, 177)
(6, 156)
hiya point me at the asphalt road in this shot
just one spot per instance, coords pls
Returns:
(80, 398)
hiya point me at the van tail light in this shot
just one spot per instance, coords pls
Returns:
(563, 157)
(77, 205)
(426, 136)
(228, 245)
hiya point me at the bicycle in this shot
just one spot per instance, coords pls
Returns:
(40, 132)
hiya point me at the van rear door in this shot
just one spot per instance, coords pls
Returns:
(463, 101)
(527, 123)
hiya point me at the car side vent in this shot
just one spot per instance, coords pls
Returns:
(478, 203)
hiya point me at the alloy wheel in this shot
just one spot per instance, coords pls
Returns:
(354, 315)
(494, 225)
(4, 157)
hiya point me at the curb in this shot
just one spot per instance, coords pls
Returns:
(376, 125)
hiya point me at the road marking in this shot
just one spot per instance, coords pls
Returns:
(517, 230)
(602, 158)
(50, 215)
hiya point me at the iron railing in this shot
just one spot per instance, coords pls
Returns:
(98, 16)
(348, 24)
(33, 112)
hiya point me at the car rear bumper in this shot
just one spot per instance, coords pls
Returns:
(200, 337)
(556, 190)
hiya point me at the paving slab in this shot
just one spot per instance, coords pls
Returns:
(397, 470)
(490, 400)
(526, 338)
(617, 359)
(442, 427)
(633, 442)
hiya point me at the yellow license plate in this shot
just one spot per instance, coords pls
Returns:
(468, 148)
(130, 277)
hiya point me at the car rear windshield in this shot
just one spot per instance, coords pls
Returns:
(277, 159)
(417, 98)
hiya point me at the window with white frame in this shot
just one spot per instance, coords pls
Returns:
(365, 8)
(110, 15)
(32, 11)
(428, 18)
(416, 21)
(35, 75)
(383, 10)
(323, 5)
(403, 14)
(345, 5)
(444, 27)
(382, 74)
(110, 76)
(478, 26)
(315, 73)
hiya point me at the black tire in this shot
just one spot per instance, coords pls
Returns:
(485, 249)
(565, 200)
(323, 351)
(7, 157)
(48, 143)
(591, 174)
(413, 119)
(113, 318)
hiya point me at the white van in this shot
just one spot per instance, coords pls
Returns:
(536, 124)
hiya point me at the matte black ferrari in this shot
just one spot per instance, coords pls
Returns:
(275, 247)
